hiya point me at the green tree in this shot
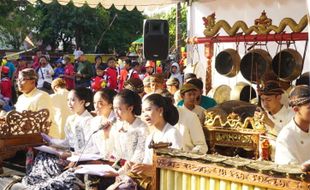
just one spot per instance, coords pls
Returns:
(65, 23)
(54, 24)
(128, 26)
(17, 19)
(86, 25)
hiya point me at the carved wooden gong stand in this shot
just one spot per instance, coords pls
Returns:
(21, 130)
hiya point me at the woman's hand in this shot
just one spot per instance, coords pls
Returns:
(46, 138)
(111, 174)
(306, 166)
(65, 155)
(144, 169)
(128, 165)
(106, 129)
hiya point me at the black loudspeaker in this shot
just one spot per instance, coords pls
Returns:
(156, 39)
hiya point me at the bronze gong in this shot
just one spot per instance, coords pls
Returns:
(287, 64)
(227, 62)
(255, 64)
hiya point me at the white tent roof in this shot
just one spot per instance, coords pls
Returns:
(119, 4)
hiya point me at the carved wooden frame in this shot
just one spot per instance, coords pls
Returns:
(232, 138)
(229, 174)
(21, 130)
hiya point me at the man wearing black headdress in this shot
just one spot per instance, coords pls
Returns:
(293, 141)
(278, 114)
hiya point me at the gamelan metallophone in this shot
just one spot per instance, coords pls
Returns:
(177, 170)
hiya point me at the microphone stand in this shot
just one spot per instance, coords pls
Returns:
(110, 123)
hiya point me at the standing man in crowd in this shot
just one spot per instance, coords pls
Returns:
(189, 94)
(201, 100)
(83, 70)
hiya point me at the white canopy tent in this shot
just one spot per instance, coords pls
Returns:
(119, 4)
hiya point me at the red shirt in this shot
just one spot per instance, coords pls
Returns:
(111, 75)
(36, 63)
(69, 70)
(6, 87)
(96, 83)
(133, 74)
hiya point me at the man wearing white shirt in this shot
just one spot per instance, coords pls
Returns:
(188, 93)
(293, 141)
(278, 114)
(190, 128)
(34, 99)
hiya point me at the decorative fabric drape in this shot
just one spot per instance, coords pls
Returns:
(119, 4)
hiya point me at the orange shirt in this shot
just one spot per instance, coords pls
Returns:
(123, 78)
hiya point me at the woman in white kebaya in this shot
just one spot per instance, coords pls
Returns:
(128, 134)
(160, 115)
(103, 103)
(47, 171)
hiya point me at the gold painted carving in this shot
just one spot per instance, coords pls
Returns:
(262, 25)
(233, 121)
(233, 138)
(230, 174)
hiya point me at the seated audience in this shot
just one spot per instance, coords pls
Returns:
(175, 73)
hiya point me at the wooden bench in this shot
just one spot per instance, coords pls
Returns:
(21, 130)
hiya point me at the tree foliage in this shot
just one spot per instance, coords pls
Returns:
(65, 23)
(127, 27)
(54, 24)
(17, 19)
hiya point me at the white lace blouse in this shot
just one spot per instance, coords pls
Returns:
(77, 129)
(98, 144)
(168, 134)
(128, 140)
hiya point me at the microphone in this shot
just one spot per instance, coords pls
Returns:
(107, 124)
